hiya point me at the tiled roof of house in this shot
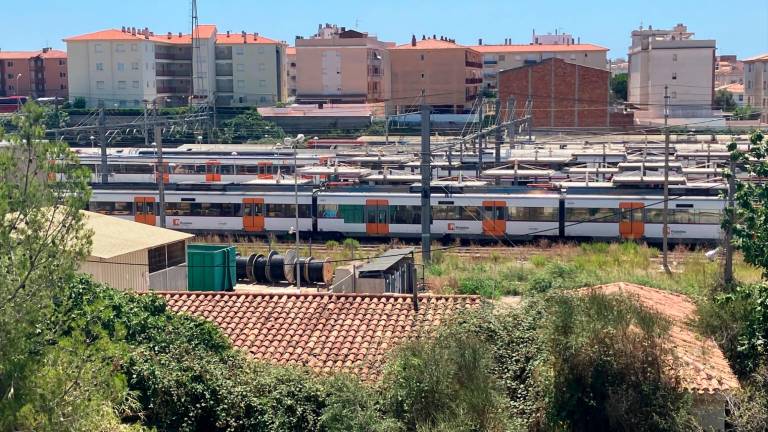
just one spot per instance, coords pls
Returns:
(204, 30)
(761, 57)
(733, 87)
(324, 331)
(431, 44)
(536, 48)
(23, 55)
(702, 366)
(290, 50)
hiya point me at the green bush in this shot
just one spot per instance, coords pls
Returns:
(331, 245)
(79, 103)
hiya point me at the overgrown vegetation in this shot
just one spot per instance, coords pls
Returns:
(250, 126)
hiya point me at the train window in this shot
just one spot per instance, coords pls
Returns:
(536, 214)
(471, 213)
(287, 210)
(226, 169)
(493, 213)
(176, 253)
(443, 212)
(178, 209)
(247, 169)
(399, 214)
(591, 215)
(682, 216)
(713, 217)
(654, 215)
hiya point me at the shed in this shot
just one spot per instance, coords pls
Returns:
(136, 257)
(391, 272)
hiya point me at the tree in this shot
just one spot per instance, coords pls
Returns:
(79, 103)
(55, 118)
(48, 381)
(619, 86)
(724, 100)
(249, 125)
(750, 226)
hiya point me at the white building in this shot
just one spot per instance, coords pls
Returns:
(671, 58)
(737, 90)
(756, 84)
(123, 68)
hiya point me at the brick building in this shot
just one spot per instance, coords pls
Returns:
(33, 73)
(564, 94)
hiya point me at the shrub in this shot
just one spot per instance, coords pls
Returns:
(79, 103)
(331, 245)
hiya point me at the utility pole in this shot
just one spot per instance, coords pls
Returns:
(386, 129)
(426, 184)
(728, 270)
(296, 202)
(161, 171)
(146, 125)
(499, 137)
(103, 143)
(665, 215)
(480, 144)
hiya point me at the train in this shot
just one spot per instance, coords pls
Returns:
(488, 213)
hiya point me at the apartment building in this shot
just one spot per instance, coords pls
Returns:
(672, 58)
(125, 67)
(499, 57)
(290, 56)
(337, 65)
(37, 74)
(756, 84)
(438, 71)
(728, 70)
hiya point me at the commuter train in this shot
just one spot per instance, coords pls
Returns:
(487, 214)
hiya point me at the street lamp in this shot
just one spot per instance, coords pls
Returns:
(295, 143)
(234, 165)
(92, 138)
(18, 101)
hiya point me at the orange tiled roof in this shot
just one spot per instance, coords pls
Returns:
(237, 38)
(761, 57)
(109, 34)
(23, 55)
(536, 48)
(204, 30)
(324, 331)
(430, 44)
(702, 366)
(290, 51)
(733, 88)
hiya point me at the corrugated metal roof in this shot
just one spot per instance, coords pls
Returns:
(386, 260)
(114, 236)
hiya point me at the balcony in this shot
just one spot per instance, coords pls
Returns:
(169, 73)
(173, 90)
(224, 69)
(473, 81)
(224, 53)
(185, 57)
(490, 62)
(472, 64)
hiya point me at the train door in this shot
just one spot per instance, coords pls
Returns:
(377, 217)
(265, 170)
(145, 210)
(631, 223)
(494, 218)
(165, 172)
(253, 214)
(212, 171)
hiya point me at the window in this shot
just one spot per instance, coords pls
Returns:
(121, 85)
(239, 50)
(673, 95)
(135, 84)
(10, 76)
(262, 67)
(120, 48)
(111, 208)
(538, 214)
(135, 66)
(502, 58)
(287, 210)
(240, 67)
(422, 76)
(99, 66)
(741, 98)
(401, 214)
(422, 57)
(120, 67)
(262, 83)
(749, 84)
(240, 84)
(450, 212)
(684, 216)
(350, 213)
(98, 48)
(100, 85)
(134, 47)
(591, 215)
(674, 57)
(674, 75)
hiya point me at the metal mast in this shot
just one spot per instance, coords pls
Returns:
(196, 55)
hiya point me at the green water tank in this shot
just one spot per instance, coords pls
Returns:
(211, 267)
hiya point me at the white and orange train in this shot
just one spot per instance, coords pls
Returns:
(491, 214)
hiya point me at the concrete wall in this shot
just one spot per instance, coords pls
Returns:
(756, 86)
(564, 94)
(127, 272)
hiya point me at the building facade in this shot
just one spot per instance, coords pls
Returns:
(728, 70)
(126, 67)
(337, 65)
(563, 94)
(440, 72)
(671, 58)
(505, 56)
(756, 84)
(290, 56)
(37, 74)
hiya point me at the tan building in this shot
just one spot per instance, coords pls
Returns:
(440, 72)
(756, 84)
(128, 66)
(497, 58)
(728, 70)
(38, 74)
(672, 58)
(337, 65)
(290, 56)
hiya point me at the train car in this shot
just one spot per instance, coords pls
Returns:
(489, 216)
(209, 211)
(690, 218)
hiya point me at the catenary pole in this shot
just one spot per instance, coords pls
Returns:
(665, 215)
(426, 182)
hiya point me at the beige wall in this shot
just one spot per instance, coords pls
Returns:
(339, 69)
(756, 86)
(440, 74)
(258, 74)
(125, 272)
(291, 74)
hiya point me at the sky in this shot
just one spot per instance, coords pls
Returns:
(740, 27)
